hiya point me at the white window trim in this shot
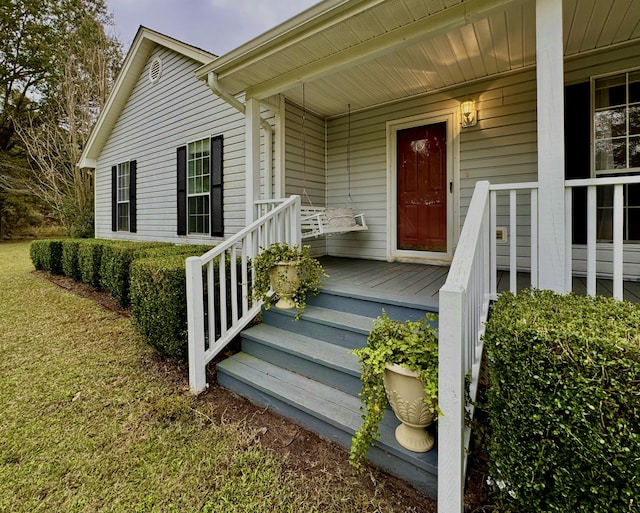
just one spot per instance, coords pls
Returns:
(601, 173)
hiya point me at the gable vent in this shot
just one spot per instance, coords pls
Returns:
(155, 70)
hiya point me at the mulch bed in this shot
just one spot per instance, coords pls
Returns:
(302, 450)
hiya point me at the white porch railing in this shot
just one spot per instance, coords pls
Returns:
(613, 267)
(463, 305)
(472, 283)
(219, 283)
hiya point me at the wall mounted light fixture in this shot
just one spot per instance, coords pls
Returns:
(469, 113)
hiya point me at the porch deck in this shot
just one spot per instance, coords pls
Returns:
(418, 284)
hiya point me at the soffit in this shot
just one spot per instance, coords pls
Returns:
(460, 42)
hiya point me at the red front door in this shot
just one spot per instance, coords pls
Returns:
(422, 188)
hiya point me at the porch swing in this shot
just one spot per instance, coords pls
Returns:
(319, 221)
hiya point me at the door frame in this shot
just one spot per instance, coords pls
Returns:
(453, 155)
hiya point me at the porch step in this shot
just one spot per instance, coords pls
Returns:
(331, 413)
(306, 371)
(326, 363)
(361, 302)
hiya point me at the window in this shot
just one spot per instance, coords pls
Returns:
(616, 136)
(616, 123)
(123, 197)
(199, 200)
(198, 175)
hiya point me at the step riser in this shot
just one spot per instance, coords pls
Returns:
(365, 307)
(420, 479)
(341, 336)
(311, 369)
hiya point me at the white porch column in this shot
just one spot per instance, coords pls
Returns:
(280, 149)
(252, 157)
(550, 80)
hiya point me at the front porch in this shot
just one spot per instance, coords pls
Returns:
(305, 369)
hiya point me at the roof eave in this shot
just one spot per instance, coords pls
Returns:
(314, 19)
(141, 47)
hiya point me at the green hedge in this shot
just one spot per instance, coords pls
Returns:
(564, 403)
(115, 264)
(159, 303)
(46, 255)
(70, 259)
(117, 258)
(89, 259)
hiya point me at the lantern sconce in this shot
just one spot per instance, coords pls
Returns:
(469, 113)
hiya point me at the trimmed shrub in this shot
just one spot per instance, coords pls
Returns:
(159, 302)
(89, 259)
(37, 249)
(564, 403)
(70, 259)
(117, 258)
(115, 264)
(46, 255)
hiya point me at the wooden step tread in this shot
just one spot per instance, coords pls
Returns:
(318, 351)
(336, 408)
(335, 318)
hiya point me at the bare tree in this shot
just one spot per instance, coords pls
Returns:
(55, 134)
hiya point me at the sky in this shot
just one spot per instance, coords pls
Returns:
(217, 26)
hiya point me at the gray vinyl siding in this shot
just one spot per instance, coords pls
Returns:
(305, 162)
(157, 119)
(501, 148)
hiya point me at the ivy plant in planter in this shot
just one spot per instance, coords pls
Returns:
(413, 346)
(290, 271)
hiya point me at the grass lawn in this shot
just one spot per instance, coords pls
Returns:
(86, 426)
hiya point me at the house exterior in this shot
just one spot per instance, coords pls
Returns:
(476, 134)
(159, 147)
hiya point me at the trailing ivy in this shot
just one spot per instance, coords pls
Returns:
(564, 403)
(412, 344)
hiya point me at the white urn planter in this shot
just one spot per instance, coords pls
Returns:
(285, 279)
(406, 396)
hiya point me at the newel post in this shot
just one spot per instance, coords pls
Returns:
(195, 326)
(451, 399)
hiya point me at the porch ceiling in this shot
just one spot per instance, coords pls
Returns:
(367, 52)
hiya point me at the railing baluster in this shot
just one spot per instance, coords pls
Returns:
(493, 269)
(211, 300)
(222, 276)
(591, 239)
(513, 248)
(245, 276)
(534, 238)
(233, 267)
(618, 235)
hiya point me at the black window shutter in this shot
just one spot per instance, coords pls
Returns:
(577, 152)
(114, 199)
(132, 196)
(215, 195)
(182, 190)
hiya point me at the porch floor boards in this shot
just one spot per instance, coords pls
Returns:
(402, 283)
(418, 284)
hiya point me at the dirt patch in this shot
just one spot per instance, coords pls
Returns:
(302, 451)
